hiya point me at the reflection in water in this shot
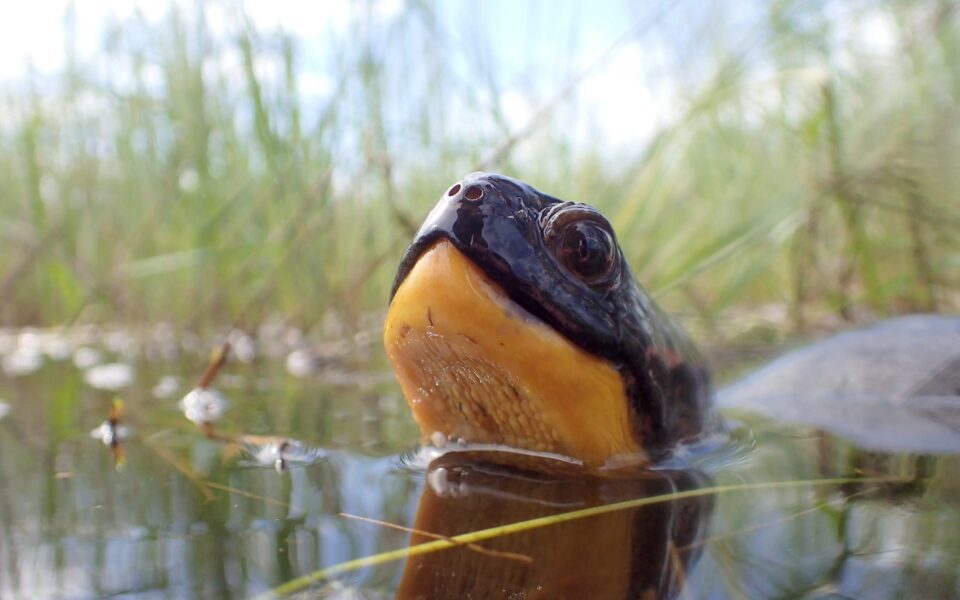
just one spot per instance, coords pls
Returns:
(640, 552)
(189, 518)
(204, 406)
(896, 539)
(277, 452)
(111, 432)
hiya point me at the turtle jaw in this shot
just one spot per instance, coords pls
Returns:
(475, 366)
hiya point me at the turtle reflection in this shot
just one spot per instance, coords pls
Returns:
(641, 552)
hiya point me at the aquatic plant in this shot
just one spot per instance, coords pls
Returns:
(198, 170)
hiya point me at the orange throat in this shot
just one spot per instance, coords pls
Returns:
(475, 366)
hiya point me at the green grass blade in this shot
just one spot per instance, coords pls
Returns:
(300, 583)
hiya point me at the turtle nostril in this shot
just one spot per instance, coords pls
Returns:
(474, 193)
(453, 191)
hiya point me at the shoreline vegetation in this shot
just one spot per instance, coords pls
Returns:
(805, 179)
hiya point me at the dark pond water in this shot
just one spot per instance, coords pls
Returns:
(157, 507)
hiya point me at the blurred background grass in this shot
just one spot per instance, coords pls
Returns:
(791, 161)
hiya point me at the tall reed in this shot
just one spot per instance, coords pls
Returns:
(184, 175)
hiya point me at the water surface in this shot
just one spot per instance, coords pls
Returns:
(163, 508)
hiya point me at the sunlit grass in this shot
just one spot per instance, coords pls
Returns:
(161, 184)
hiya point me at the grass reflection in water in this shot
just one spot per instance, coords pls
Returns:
(203, 512)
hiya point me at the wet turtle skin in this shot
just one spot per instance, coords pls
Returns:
(560, 261)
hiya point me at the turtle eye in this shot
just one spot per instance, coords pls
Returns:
(583, 242)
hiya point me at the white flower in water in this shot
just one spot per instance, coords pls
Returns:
(121, 342)
(166, 387)
(204, 406)
(8, 341)
(282, 453)
(111, 376)
(85, 357)
(23, 361)
(189, 180)
(110, 434)
(29, 338)
(300, 363)
(57, 347)
(243, 346)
